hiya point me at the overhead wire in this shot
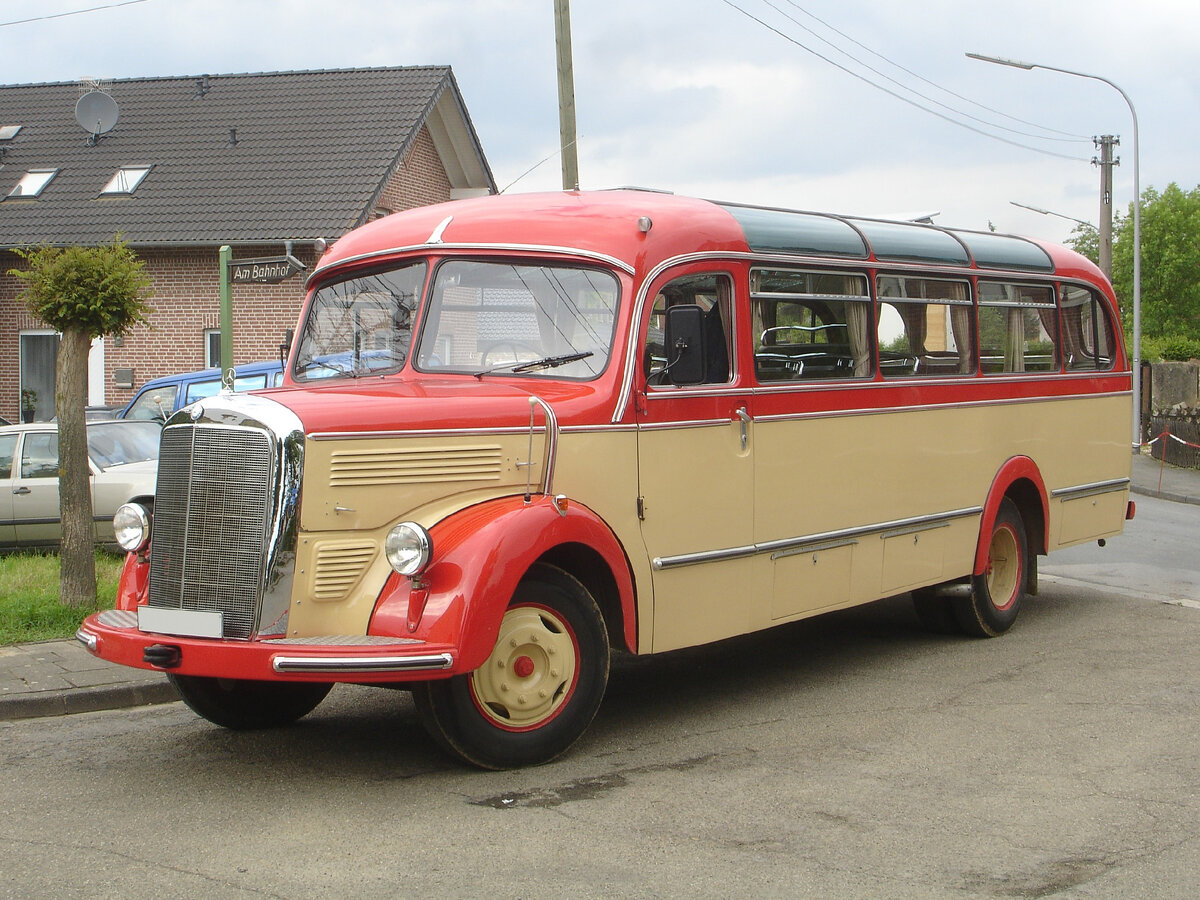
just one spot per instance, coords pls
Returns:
(894, 94)
(1066, 137)
(76, 12)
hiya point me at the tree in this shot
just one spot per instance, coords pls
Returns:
(84, 293)
(1170, 263)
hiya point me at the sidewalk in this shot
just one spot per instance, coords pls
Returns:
(55, 678)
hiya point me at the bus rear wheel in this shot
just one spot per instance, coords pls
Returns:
(540, 687)
(991, 607)
(243, 705)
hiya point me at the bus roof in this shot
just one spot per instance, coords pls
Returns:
(637, 229)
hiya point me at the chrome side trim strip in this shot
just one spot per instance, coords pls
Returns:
(1089, 490)
(823, 541)
(363, 664)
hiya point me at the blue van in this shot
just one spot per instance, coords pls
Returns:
(159, 397)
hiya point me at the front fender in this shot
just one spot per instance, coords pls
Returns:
(479, 556)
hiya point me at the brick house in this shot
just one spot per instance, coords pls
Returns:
(267, 163)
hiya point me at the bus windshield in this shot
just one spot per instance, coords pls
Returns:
(507, 318)
(360, 326)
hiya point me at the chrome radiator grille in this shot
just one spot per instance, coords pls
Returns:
(211, 515)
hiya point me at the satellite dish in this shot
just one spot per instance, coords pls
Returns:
(97, 113)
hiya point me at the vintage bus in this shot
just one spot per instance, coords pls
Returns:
(519, 432)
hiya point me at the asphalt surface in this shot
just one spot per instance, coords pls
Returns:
(56, 678)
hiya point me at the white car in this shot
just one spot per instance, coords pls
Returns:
(122, 457)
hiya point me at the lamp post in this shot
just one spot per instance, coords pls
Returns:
(1137, 229)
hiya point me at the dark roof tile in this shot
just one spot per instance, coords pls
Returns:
(309, 152)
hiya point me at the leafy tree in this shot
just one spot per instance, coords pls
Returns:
(1170, 262)
(84, 293)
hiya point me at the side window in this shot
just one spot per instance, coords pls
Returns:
(1088, 339)
(198, 390)
(810, 325)
(1018, 328)
(8, 447)
(714, 295)
(39, 455)
(156, 403)
(924, 327)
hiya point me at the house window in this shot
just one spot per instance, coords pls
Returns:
(212, 348)
(8, 132)
(32, 183)
(126, 180)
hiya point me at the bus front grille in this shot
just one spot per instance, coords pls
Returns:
(211, 514)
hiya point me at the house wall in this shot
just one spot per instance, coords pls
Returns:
(186, 301)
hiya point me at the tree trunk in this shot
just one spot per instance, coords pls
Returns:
(77, 557)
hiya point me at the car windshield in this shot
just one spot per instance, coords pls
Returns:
(119, 443)
(506, 318)
(360, 326)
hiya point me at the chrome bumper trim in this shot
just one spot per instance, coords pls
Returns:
(363, 664)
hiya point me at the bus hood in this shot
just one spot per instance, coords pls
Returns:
(376, 405)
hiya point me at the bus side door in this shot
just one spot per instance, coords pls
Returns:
(695, 469)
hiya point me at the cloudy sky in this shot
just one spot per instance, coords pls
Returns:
(836, 105)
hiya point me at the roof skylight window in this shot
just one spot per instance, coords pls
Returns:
(33, 182)
(126, 180)
(8, 132)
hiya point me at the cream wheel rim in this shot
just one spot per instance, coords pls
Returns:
(531, 672)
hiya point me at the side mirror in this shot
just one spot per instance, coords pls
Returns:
(286, 347)
(684, 335)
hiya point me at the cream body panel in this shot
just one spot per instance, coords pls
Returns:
(697, 482)
(857, 472)
(340, 571)
(598, 468)
(361, 483)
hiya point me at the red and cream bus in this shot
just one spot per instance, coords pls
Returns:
(517, 432)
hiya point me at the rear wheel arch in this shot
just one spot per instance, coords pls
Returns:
(1019, 481)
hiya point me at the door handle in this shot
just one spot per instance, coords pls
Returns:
(744, 421)
(22, 490)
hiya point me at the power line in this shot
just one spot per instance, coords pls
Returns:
(900, 97)
(63, 15)
(1067, 136)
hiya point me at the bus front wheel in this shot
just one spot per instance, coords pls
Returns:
(991, 607)
(243, 705)
(540, 687)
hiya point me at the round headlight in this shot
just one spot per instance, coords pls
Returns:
(131, 524)
(408, 548)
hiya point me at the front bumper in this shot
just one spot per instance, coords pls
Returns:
(113, 635)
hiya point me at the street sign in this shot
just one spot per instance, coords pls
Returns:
(267, 270)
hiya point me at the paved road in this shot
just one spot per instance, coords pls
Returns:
(847, 756)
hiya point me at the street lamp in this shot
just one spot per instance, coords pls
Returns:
(1137, 229)
(1050, 212)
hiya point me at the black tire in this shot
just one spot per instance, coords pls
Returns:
(540, 688)
(991, 607)
(245, 705)
(935, 611)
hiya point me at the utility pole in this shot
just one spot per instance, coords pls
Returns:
(566, 95)
(1105, 161)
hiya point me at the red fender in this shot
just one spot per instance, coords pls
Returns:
(479, 557)
(1015, 469)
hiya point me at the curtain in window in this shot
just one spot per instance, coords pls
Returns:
(858, 317)
(960, 325)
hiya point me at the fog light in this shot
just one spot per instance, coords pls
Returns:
(408, 548)
(131, 525)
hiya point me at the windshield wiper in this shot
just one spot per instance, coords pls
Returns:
(546, 362)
